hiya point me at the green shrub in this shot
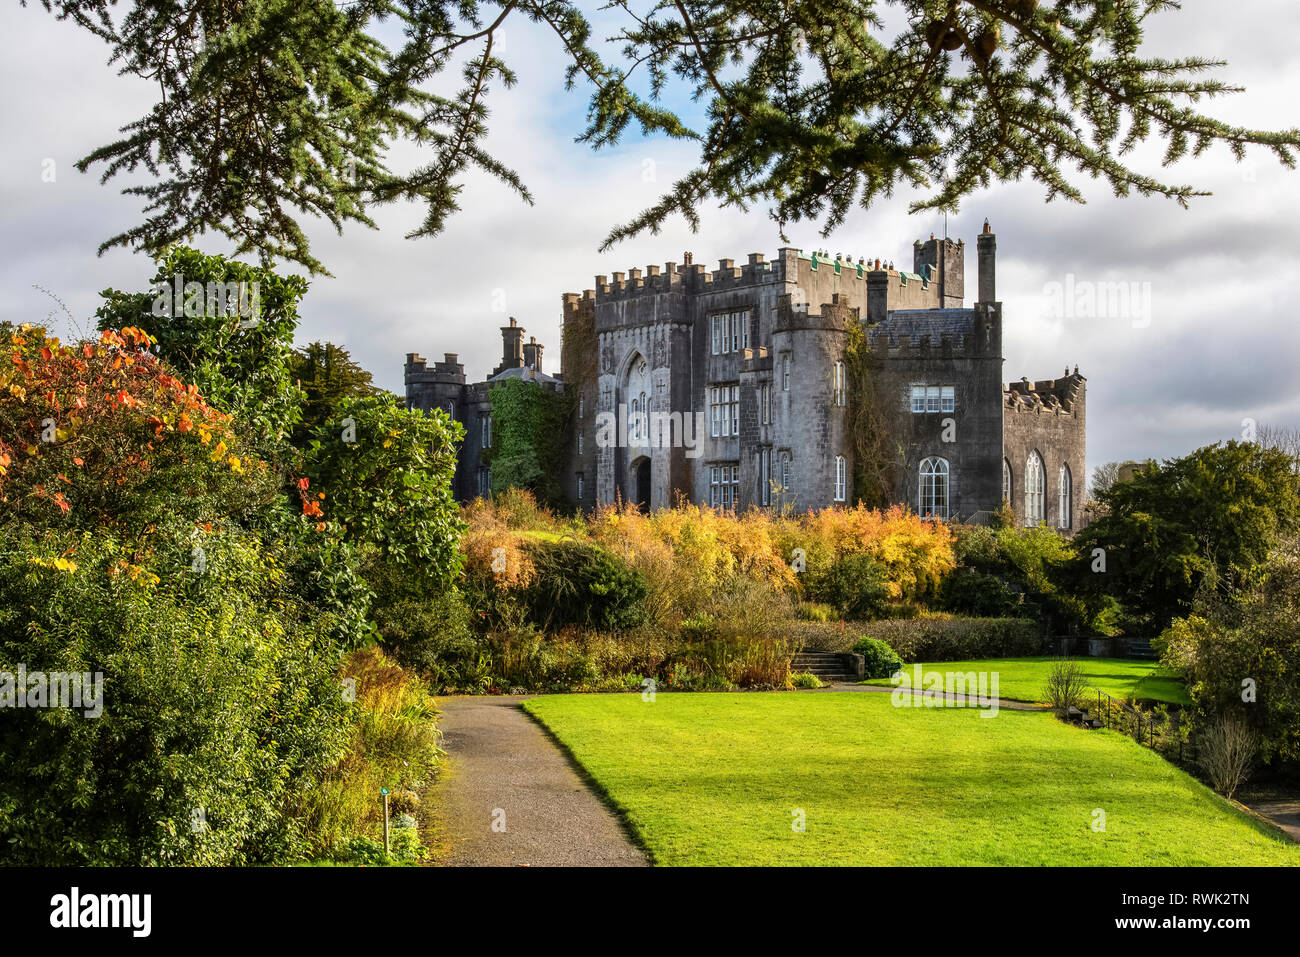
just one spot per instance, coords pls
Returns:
(881, 661)
(805, 679)
(221, 707)
(977, 594)
(432, 636)
(404, 842)
(1252, 634)
(928, 639)
(856, 585)
(577, 583)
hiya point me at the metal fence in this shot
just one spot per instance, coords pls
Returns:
(1161, 729)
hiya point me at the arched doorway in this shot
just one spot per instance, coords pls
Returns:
(641, 483)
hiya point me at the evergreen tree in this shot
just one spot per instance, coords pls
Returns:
(327, 375)
(271, 110)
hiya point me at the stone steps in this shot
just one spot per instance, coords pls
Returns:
(826, 665)
(1141, 649)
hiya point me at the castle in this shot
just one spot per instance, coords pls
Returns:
(734, 388)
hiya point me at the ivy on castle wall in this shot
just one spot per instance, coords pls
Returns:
(876, 453)
(580, 348)
(529, 439)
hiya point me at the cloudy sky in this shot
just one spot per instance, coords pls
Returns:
(1211, 335)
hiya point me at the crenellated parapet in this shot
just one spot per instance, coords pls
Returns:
(449, 371)
(1063, 396)
(793, 314)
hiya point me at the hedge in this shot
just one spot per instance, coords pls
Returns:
(928, 639)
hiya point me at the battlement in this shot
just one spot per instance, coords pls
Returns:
(833, 316)
(690, 277)
(865, 269)
(686, 277)
(449, 369)
(1060, 396)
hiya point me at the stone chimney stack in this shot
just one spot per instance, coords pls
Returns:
(512, 345)
(987, 253)
(533, 354)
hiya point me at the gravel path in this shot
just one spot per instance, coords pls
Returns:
(508, 796)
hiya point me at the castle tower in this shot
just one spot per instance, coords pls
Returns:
(439, 387)
(944, 262)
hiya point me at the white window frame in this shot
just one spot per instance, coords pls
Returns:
(729, 331)
(785, 471)
(1035, 491)
(918, 398)
(765, 403)
(785, 372)
(580, 486)
(947, 398)
(931, 398)
(724, 486)
(934, 488)
(840, 391)
(1007, 490)
(841, 478)
(724, 411)
(485, 431)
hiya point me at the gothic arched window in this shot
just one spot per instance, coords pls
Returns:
(1035, 480)
(1006, 481)
(1065, 492)
(933, 498)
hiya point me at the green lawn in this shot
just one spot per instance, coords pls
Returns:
(716, 779)
(1023, 679)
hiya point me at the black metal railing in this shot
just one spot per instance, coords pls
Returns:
(1160, 729)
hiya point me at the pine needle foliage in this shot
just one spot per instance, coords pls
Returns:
(270, 112)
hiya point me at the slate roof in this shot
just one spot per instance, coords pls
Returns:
(525, 373)
(927, 322)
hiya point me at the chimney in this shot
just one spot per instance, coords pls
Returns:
(986, 247)
(533, 354)
(512, 350)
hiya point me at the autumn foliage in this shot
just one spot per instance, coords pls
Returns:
(691, 554)
(102, 434)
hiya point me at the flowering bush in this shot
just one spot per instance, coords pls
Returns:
(140, 541)
(101, 434)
